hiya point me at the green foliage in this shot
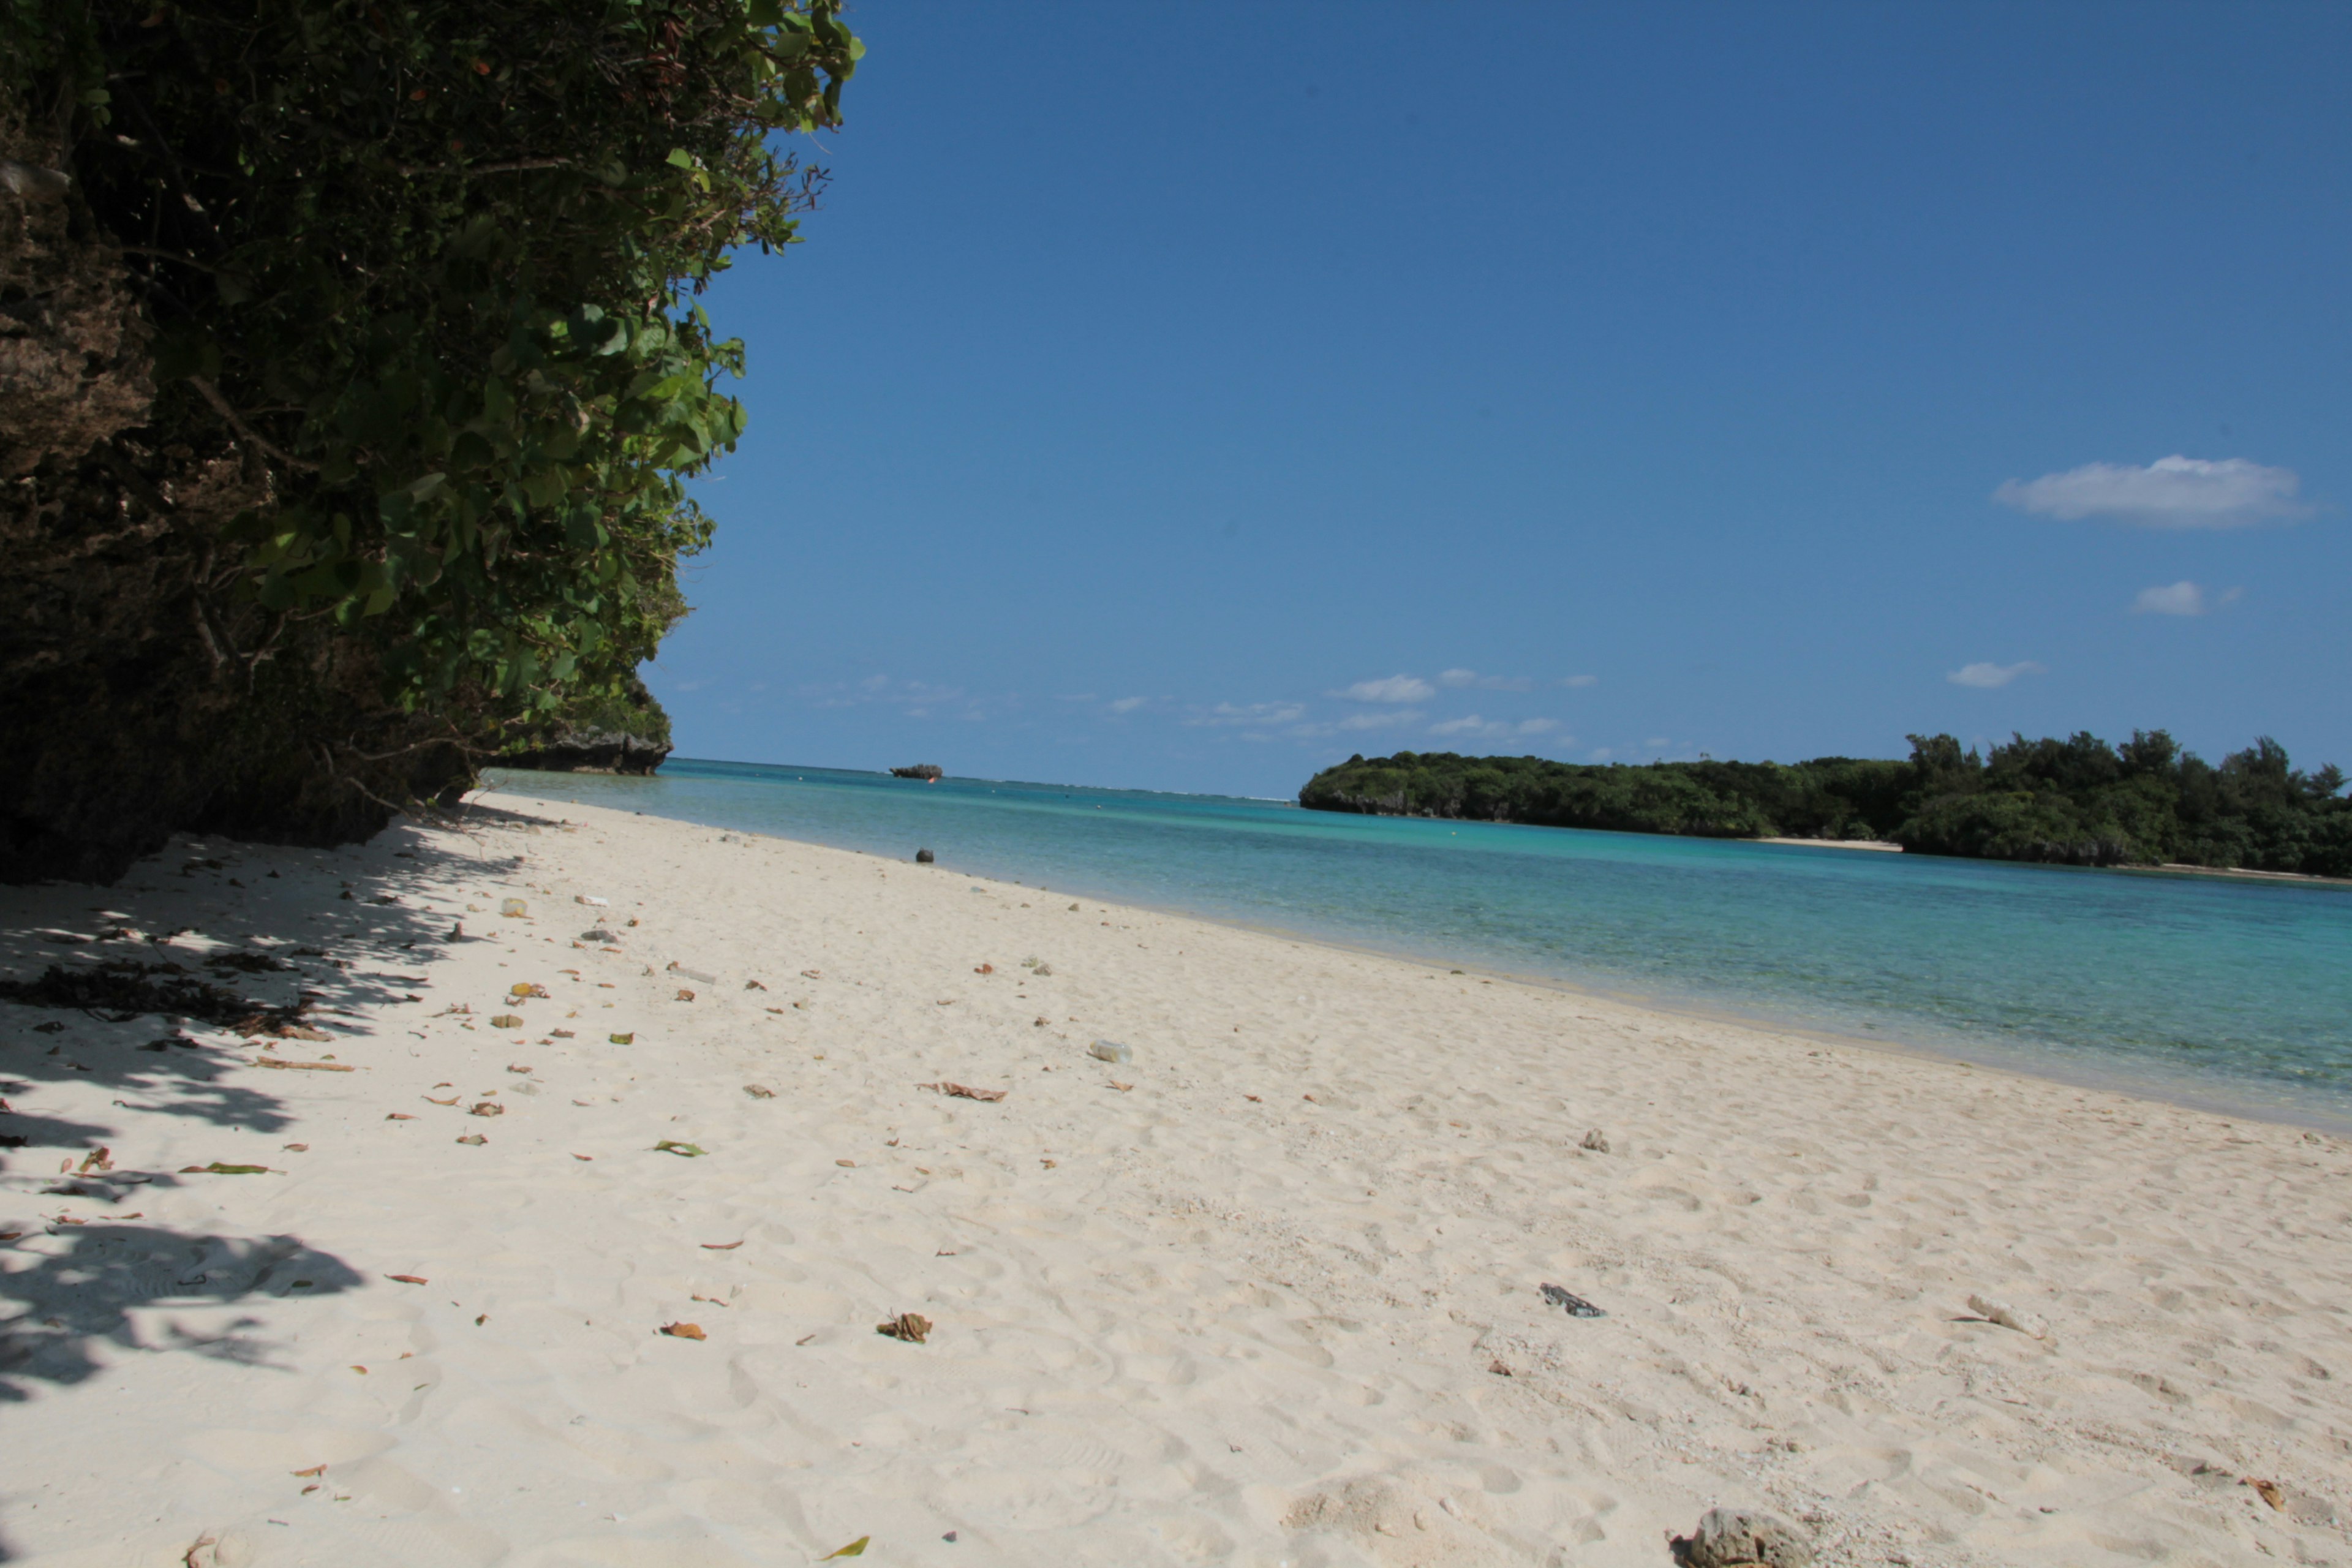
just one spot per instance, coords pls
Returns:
(434, 263)
(2077, 800)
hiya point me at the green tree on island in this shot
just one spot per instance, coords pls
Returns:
(2078, 801)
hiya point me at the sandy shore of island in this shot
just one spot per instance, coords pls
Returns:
(1270, 1292)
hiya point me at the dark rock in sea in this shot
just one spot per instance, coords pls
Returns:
(923, 857)
(930, 772)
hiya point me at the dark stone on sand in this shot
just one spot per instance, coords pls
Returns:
(1728, 1538)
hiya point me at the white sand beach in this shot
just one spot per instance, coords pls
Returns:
(1269, 1293)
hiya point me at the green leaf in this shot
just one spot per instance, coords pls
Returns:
(855, 1549)
(686, 1151)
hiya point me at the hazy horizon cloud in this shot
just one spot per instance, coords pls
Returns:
(2173, 492)
(1379, 720)
(1395, 689)
(1986, 675)
(2183, 598)
(1129, 704)
(1249, 713)
(1459, 678)
(1579, 680)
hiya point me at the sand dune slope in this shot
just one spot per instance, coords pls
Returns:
(1270, 1293)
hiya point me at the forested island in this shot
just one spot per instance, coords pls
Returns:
(2078, 801)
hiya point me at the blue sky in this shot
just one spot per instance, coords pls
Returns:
(1184, 397)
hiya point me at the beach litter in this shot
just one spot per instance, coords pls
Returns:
(507, 1021)
(409, 1279)
(1993, 1309)
(912, 1327)
(683, 1151)
(1597, 1141)
(514, 908)
(474, 1138)
(683, 1330)
(1730, 1538)
(925, 858)
(684, 973)
(964, 1091)
(857, 1547)
(523, 989)
(591, 900)
(597, 933)
(759, 1091)
(488, 1107)
(1110, 1051)
(2268, 1491)
(1567, 1301)
(626, 1039)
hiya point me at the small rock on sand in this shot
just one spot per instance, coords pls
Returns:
(1726, 1538)
(924, 858)
(1597, 1141)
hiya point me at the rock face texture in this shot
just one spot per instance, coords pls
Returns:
(624, 733)
(73, 341)
(590, 751)
(140, 694)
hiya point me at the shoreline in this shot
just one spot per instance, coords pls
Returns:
(2185, 1092)
(1268, 1291)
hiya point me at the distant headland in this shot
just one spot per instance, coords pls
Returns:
(930, 772)
(2076, 802)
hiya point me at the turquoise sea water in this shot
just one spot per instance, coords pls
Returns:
(2234, 994)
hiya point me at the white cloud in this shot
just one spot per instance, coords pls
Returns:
(1986, 675)
(1129, 704)
(1655, 743)
(1486, 728)
(2179, 599)
(1248, 713)
(2171, 492)
(1580, 680)
(1380, 721)
(1459, 678)
(1395, 689)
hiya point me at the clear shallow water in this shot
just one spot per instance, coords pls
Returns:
(2229, 992)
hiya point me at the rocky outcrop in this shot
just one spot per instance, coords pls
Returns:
(73, 338)
(590, 751)
(617, 732)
